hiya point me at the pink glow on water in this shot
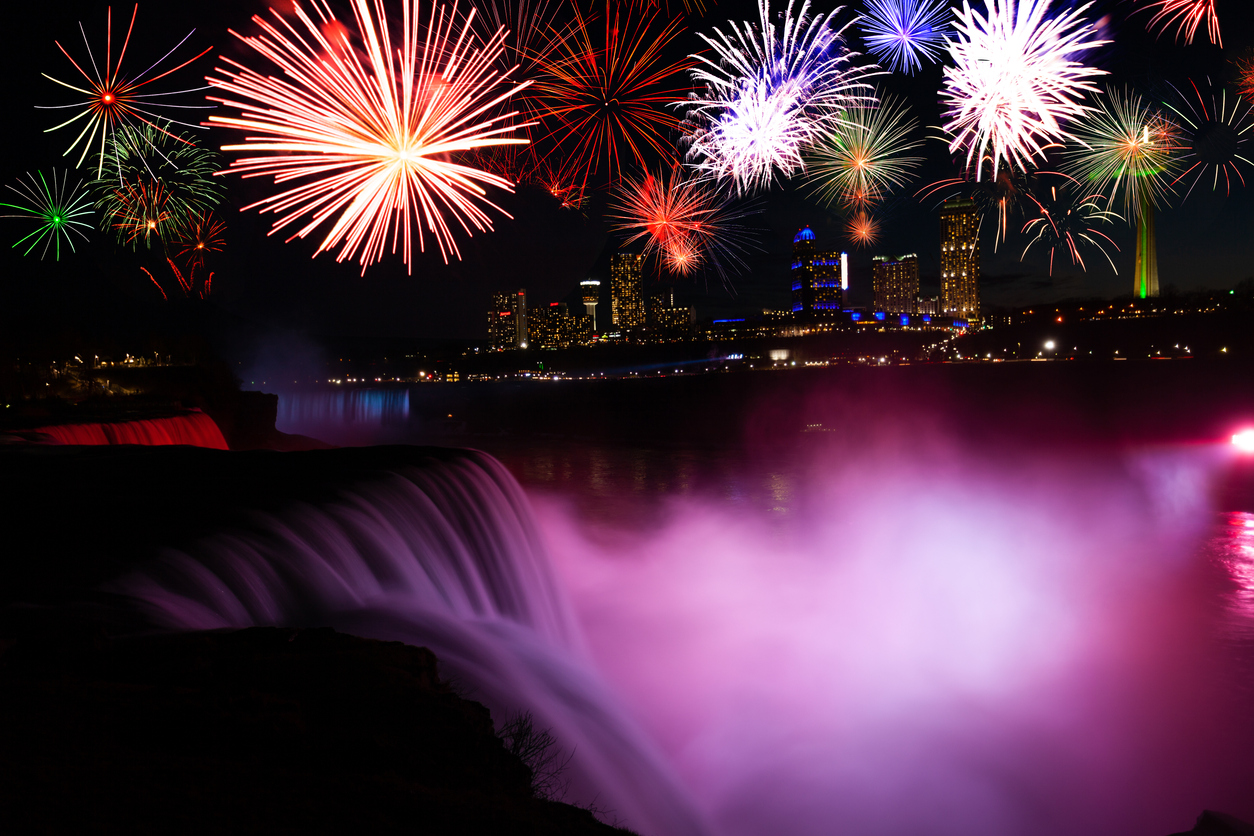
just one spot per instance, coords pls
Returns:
(1011, 648)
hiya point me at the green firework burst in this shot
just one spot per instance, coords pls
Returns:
(58, 211)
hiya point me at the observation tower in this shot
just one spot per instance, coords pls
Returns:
(591, 295)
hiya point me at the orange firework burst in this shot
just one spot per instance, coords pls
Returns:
(863, 229)
(112, 98)
(375, 138)
(140, 212)
(605, 94)
(683, 220)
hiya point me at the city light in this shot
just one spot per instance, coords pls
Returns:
(1244, 441)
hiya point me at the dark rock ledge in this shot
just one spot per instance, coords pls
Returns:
(263, 730)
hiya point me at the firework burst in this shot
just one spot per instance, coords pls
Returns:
(902, 34)
(863, 156)
(862, 228)
(770, 90)
(1127, 146)
(1065, 224)
(57, 210)
(603, 94)
(203, 235)
(1186, 16)
(1014, 84)
(1216, 133)
(153, 182)
(375, 138)
(682, 220)
(114, 99)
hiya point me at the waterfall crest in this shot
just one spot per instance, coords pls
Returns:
(195, 429)
(444, 555)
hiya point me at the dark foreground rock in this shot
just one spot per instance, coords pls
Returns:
(263, 730)
(1211, 823)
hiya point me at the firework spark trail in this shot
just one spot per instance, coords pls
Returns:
(681, 219)
(1188, 16)
(1126, 146)
(769, 91)
(112, 99)
(1066, 224)
(57, 210)
(376, 143)
(1217, 134)
(1014, 85)
(902, 34)
(604, 94)
(862, 157)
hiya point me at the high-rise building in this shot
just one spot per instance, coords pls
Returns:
(507, 321)
(627, 290)
(551, 326)
(896, 283)
(591, 295)
(960, 259)
(817, 277)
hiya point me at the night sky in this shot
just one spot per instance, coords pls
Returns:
(277, 287)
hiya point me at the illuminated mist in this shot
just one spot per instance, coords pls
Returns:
(915, 638)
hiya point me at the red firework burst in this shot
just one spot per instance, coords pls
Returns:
(1186, 16)
(683, 220)
(605, 94)
(199, 238)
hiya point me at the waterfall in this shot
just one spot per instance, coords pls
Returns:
(299, 411)
(194, 428)
(446, 556)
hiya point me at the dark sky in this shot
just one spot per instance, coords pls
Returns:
(1206, 242)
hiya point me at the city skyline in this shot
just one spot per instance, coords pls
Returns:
(550, 249)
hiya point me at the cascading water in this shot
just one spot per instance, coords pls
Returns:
(935, 646)
(445, 557)
(195, 429)
(342, 414)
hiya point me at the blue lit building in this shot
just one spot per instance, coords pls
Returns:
(819, 279)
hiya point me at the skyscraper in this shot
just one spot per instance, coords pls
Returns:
(896, 283)
(507, 321)
(627, 290)
(816, 276)
(960, 259)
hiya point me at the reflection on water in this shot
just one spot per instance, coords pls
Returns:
(1232, 548)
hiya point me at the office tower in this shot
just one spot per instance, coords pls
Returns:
(895, 282)
(1145, 278)
(520, 318)
(816, 276)
(960, 259)
(627, 290)
(591, 295)
(548, 327)
(507, 321)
